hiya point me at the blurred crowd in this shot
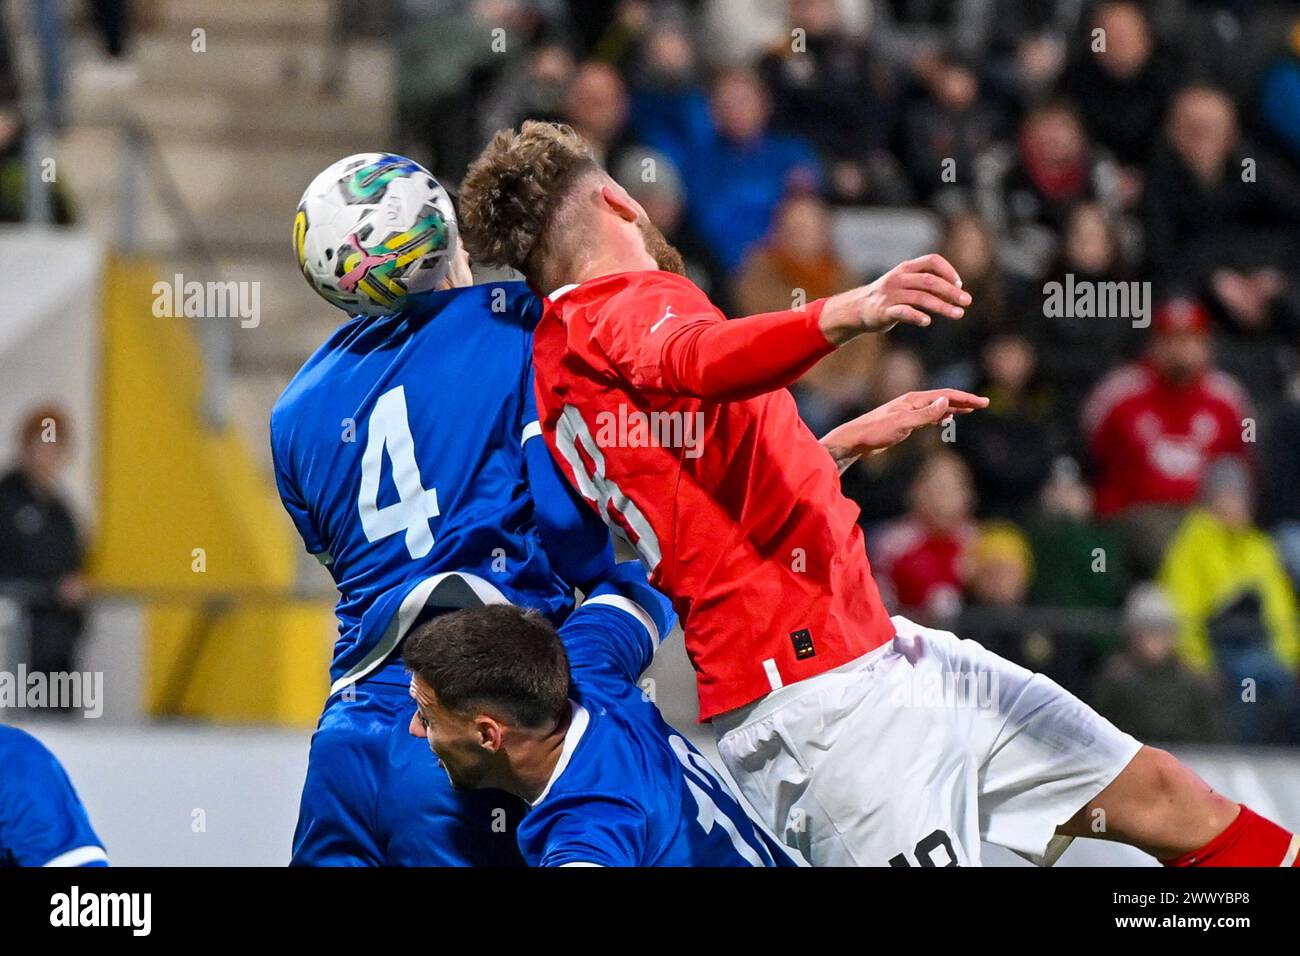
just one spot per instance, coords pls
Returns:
(1126, 515)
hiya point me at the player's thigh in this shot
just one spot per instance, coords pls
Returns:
(336, 815)
(1042, 753)
(857, 770)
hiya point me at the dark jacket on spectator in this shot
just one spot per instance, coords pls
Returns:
(39, 546)
(1166, 703)
(1193, 228)
(1124, 115)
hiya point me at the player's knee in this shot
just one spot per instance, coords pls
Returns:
(1164, 775)
(1167, 782)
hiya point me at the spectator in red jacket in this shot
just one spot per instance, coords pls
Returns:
(918, 558)
(1153, 426)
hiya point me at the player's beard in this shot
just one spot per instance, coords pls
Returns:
(461, 779)
(663, 252)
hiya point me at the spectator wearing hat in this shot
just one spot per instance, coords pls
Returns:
(1153, 427)
(997, 570)
(1236, 608)
(41, 555)
(1145, 689)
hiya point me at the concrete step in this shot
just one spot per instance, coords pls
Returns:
(294, 17)
(241, 197)
(219, 117)
(251, 178)
(269, 67)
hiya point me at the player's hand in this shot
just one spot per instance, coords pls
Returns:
(886, 426)
(906, 293)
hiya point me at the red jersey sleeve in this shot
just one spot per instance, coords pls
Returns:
(661, 332)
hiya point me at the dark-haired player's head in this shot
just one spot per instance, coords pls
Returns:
(491, 686)
(537, 201)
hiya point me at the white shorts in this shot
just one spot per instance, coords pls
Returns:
(914, 753)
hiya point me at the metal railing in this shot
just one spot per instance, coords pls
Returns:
(196, 643)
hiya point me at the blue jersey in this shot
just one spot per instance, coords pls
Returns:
(42, 821)
(400, 454)
(629, 790)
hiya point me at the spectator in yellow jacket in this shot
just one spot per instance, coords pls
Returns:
(1236, 607)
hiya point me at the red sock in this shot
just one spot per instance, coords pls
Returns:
(1250, 840)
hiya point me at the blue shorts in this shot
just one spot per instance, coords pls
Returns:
(375, 795)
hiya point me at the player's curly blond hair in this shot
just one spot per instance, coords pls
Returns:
(512, 194)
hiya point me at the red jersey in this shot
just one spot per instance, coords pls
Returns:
(1152, 440)
(705, 466)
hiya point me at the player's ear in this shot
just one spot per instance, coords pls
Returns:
(620, 203)
(490, 733)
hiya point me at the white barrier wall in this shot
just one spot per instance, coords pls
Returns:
(184, 795)
(49, 343)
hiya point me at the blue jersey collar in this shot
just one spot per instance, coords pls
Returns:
(578, 721)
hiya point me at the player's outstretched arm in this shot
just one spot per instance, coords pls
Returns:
(736, 360)
(886, 426)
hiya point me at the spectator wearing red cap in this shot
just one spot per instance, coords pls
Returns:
(1152, 427)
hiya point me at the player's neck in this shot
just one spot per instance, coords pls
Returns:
(536, 760)
(599, 266)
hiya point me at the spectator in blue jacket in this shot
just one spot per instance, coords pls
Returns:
(737, 171)
(1279, 96)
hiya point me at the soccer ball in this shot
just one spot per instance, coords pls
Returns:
(372, 231)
